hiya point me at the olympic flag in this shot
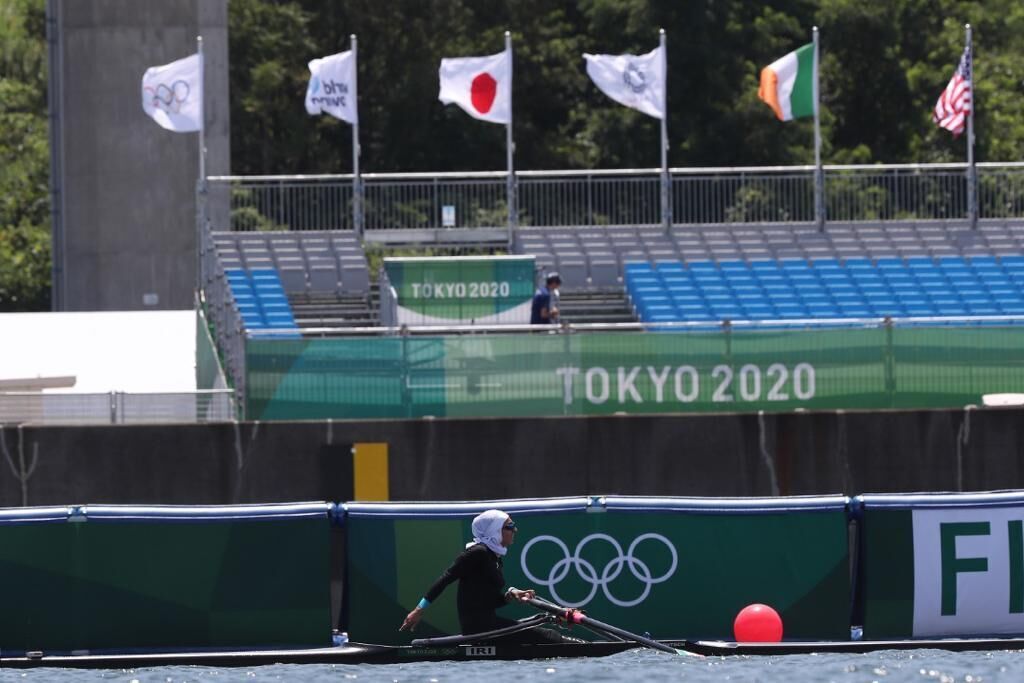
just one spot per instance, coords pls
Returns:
(482, 86)
(637, 81)
(172, 94)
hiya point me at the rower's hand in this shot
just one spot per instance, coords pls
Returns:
(516, 595)
(411, 619)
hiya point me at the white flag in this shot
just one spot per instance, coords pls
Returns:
(172, 94)
(480, 85)
(637, 81)
(332, 87)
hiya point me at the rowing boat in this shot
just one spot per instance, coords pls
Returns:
(349, 653)
(361, 653)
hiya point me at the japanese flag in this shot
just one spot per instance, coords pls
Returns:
(482, 86)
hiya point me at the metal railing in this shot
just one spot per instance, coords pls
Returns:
(624, 197)
(117, 407)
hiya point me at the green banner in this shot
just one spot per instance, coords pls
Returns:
(145, 583)
(887, 574)
(631, 372)
(462, 290)
(669, 573)
(943, 565)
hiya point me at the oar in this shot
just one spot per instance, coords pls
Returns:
(577, 617)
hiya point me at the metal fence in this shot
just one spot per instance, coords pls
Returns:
(625, 197)
(117, 407)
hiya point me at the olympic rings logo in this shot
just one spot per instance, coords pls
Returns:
(586, 570)
(170, 98)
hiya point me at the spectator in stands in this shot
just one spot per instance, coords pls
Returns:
(544, 309)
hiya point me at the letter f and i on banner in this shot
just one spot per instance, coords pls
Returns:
(333, 90)
(482, 87)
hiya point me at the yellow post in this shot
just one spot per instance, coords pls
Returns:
(370, 471)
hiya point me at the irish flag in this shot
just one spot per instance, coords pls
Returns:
(788, 84)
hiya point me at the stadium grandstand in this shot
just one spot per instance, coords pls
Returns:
(901, 251)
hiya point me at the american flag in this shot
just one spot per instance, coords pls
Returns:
(955, 103)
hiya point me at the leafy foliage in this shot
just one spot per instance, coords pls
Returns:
(24, 159)
(883, 66)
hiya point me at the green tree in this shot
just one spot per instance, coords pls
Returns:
(24, 159)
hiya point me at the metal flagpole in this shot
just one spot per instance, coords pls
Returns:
(666, 208)
(201, 195)
(202, 112)
(509, 150)
(972, 173)
(819, 173)
(357, 181)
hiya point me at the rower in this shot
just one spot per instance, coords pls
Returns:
(478, 569)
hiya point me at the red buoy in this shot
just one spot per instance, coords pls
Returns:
(757, 624)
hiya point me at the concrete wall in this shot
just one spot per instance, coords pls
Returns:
(701, 455)
(124, 188)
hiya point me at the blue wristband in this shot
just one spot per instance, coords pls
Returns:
(423, 603)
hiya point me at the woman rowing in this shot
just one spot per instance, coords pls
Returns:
(482, 584)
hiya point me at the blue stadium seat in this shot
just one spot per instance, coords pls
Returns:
(737, 278)
(859, 263)
(759, 311)
(674, 281)
(638, 267)
(788, 311)
(702, 266)
(1012, 263)
(762, 266)
(794, 264)
(858, 310)
(920, 310)
(982, 260)
(688, 310)
(889, 263)
(666, 267)
(920, 262)
(734, 266)
(1009, 308)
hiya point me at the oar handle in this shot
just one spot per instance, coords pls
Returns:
(577, 617)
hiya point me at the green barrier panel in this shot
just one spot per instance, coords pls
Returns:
(143, 578)
(671, 569)
(462, 290)
(942, 565)
(208, 370)
(641, 373)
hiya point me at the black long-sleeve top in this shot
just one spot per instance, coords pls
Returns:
(481, 587)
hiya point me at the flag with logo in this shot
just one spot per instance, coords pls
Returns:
(172, 94)
(482, 86)
(787, 84)
(954, 104)
(332, 87)
(636, 81)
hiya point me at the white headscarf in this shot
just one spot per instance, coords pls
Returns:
(487, 530)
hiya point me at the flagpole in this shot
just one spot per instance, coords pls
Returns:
(972, 174)
(357, 181)
(819, 172)
(509, 149)
(666, 182)
(202, 111)
(201, 196)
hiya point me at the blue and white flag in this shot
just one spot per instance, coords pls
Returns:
(637, 81)
(332, 87)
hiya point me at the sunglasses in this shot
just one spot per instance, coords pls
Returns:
(511, 526)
